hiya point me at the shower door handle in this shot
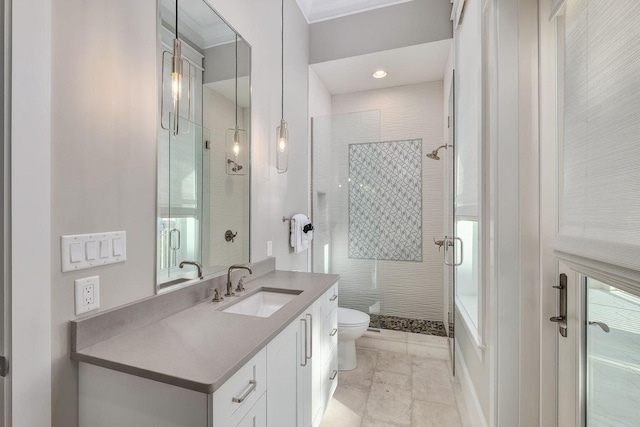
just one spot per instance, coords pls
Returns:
(448, 243)
(458, 264)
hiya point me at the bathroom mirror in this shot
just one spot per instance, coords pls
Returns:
(203, 143)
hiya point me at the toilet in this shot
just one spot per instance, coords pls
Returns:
(352, 324)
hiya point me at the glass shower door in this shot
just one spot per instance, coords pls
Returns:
(450, 226)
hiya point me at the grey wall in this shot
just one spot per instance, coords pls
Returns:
(219, 62)
(103, 152)
(405, 24)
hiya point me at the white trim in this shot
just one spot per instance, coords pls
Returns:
(30, 367)
(469, 392)
(557, 9)
(615, 254)
(479, 345)
(334, 12)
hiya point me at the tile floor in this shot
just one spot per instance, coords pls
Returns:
(391, 388)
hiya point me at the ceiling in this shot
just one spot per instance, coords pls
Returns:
(404, 66)
(322, 10)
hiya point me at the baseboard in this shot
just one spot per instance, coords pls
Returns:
(469, 392)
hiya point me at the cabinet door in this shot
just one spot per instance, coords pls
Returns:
(282, 372)
(304, 371)
(317, 360)
(257, 416)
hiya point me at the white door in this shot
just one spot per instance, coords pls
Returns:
(599, 352)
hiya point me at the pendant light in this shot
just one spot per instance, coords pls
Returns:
(236, 139)
(282, 132)
(178, 76)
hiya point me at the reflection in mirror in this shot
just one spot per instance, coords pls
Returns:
(203, 144)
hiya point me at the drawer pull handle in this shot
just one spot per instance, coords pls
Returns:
(311, 337)
(333, 298)
(306, 338)
(333, 376)
(252, 386)
(333, 333)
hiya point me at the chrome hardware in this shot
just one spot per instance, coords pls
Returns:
(216, 295)
(311, 340)
(196, 263)
(229, 236)
(333, 375)
(306, 336)
(4, 366)
(438, 243)
(602, 325)
(333, 298)
(172, 240)
(252, 386)
(450, 242)
(240, 287)
(229, 284)
(561, 320)
(333, 332)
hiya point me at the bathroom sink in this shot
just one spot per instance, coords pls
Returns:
(263, 303)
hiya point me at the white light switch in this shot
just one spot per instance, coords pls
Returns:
(104, 249)
(91, 249)
(75, 252)
(117, 247)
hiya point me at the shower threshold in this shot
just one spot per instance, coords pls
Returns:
(416, 326)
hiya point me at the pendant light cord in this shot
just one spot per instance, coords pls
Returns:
(236, 80)
(282, 60)
(176, 18)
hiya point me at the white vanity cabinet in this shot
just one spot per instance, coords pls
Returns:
(288, 383)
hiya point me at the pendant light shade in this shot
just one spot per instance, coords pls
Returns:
(282, 147)
(282, 131)
(180, 77)
(237, 148)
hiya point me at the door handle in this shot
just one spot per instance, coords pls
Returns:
(449, 242)
(4, 366)
(602, 325)
(561, 319)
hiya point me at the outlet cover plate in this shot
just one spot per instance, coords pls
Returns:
(87, 294)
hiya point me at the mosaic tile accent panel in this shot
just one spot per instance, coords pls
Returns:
(416, 326)
(385, 200)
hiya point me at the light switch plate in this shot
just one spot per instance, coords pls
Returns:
(82, 251)
(269, 248)
(87, 294)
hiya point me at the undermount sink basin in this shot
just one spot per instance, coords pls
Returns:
(261, 304)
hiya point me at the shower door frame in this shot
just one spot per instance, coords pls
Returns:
(450, 231)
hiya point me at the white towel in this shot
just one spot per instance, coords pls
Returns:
(300, 241)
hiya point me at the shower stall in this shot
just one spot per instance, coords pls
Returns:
(377, 204)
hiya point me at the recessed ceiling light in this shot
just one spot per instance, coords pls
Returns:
(380, 74)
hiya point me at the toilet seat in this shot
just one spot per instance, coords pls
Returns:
(348, 318)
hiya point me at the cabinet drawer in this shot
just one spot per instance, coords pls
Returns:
(331, 298)
(257, 416)
(330, 381)
(236, 396)
(330, 333)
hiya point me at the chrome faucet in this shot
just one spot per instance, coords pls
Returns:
(197, 264)
(229, 284)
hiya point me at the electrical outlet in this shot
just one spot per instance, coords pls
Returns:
(87, 294)
(269, 248)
